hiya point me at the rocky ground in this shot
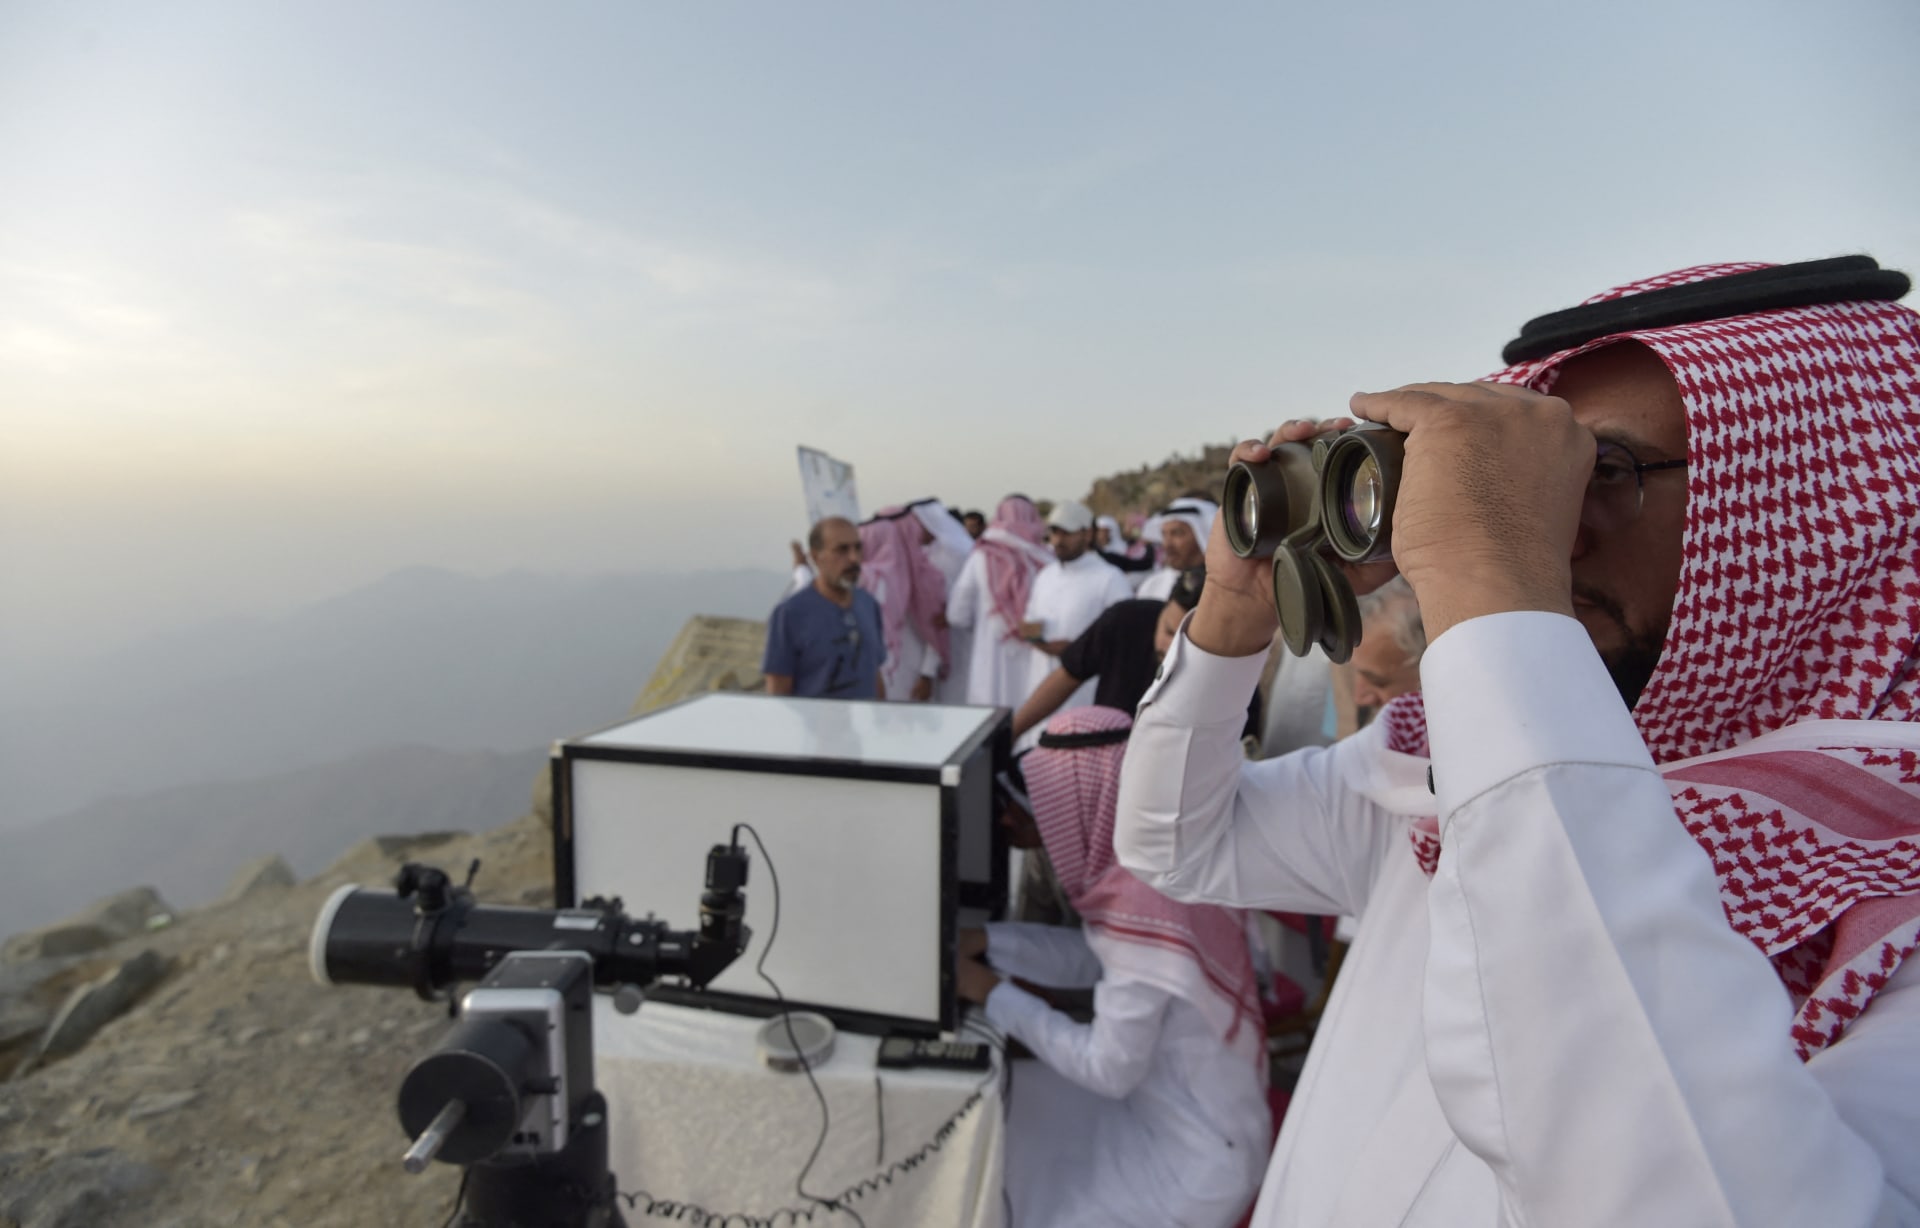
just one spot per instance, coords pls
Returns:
(236, 1091)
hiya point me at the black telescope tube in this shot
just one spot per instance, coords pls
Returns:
(368, 937)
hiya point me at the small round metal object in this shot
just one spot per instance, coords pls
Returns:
(813, 1033)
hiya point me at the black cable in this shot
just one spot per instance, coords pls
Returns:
(643, 1203)
(459, 1198)
(806, 1067)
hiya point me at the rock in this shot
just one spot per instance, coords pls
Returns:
(396, 847)
(374, 859)
(709, 654)
(260, 874)
(93, 1005)
(158, 1104)
(83, 1189)
(57, 942)
(102, 924)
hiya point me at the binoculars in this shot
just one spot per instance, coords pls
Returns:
(1311, 507)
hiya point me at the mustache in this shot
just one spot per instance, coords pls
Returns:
(1603, 603)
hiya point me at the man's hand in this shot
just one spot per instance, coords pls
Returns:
(922, 690)
(974, 980)
(1489, 500)
(1236, 617)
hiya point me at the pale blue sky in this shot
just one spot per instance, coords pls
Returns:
(292, 295)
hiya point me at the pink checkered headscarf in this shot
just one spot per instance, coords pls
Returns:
(1014, 550)
(893, 559)
(1798, 609)
(1197, 952)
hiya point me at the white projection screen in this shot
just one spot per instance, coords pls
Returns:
(877, 818)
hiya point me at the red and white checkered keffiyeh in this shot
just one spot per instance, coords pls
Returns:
(894, 561)
(1782, 713)
(1197, 952)
(1014, 553)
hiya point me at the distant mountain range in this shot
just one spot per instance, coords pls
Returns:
(187, 841)
(423, 657)
(425, 700)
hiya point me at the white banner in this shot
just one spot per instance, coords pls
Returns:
(829, 487)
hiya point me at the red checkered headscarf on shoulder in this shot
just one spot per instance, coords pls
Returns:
(1197, 952)
(893, 560)
(1013, 549)
(1782, 712)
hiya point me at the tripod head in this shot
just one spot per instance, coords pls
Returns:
(508, 1091)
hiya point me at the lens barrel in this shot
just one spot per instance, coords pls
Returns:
(1265, 504)
(1359, 484)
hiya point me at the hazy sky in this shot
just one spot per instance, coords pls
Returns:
(292, 295)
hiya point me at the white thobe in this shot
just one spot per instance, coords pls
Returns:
(1560, 1028)
(1159, 584)
(1065, 599)
(1143, 1117)
(953, 688)
(916, 659)
(998, 662)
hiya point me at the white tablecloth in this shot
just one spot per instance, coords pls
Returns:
(698, 1122)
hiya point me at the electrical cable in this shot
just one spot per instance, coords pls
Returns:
(643, 1203)
(806, 1066)
(459, 1198)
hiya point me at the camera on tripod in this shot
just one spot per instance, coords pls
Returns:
(509, 1090)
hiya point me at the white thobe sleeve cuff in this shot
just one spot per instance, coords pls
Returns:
(1508, 693)
(1198, 688)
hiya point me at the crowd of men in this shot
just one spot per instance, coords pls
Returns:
(1628, 838)
(1036, 614)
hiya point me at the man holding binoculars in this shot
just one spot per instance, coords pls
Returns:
(1639, 874)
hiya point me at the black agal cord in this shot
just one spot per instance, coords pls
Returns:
(1843, 279)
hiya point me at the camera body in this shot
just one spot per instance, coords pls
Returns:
(520, 1059)
(508, 1092)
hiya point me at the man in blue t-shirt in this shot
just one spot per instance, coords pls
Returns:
(825, 640)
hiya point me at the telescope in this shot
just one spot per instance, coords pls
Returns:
(1311, 507)
(508, 1092)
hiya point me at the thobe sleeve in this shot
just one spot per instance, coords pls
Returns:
(1595, 1030)
(1053, 955)
(1199, 823)
(964, 601)
(1109, 1056)
(1036, 610)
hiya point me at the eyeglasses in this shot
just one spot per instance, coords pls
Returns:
(1616, 489)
